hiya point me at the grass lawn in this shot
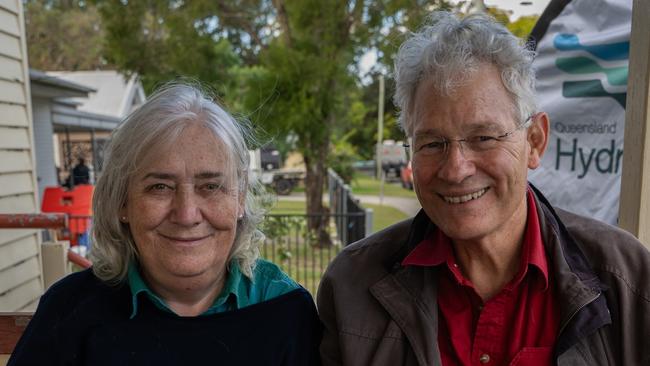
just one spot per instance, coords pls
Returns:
(365, 185)
(384, 216)
(288, 207)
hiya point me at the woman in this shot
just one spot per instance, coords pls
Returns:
(176, 278)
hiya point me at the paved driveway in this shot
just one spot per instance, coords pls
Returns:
(409, 206)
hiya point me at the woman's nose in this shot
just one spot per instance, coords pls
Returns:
(186, 210)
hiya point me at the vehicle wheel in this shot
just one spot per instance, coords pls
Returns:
(283, 187)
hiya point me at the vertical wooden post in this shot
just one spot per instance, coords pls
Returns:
(634, 211)
(55, 261)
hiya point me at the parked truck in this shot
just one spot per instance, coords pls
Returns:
(393, 158)
(266, 165)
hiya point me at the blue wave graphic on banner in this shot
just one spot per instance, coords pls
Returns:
(616, 51)
(609, 52)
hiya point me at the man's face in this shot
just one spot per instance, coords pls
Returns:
(471, 193)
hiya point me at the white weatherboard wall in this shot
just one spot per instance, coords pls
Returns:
(21, 282)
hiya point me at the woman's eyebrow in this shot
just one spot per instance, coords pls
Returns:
(208, 175)
(159, 175)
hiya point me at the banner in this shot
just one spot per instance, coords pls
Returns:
(582, 67)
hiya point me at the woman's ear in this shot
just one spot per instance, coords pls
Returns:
(243, 191)
(538, 138)
(123, 215)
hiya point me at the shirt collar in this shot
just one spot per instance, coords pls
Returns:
(436, 248)
(233, 288)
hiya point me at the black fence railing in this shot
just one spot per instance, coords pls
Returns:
(353, 222)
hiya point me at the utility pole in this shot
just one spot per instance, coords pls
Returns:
(380, 137)
(380, 124)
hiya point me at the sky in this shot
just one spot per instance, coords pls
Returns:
(537, 7)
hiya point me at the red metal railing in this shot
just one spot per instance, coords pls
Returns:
(43, 221)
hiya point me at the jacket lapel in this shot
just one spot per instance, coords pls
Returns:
(409, 296)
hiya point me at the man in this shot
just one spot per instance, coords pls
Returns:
(81, 173)
(488, 273)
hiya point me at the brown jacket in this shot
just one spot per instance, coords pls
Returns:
(377, 312)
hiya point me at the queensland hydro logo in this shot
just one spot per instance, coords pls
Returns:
(600, 70)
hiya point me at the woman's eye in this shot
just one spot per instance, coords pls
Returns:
(212, 187)
(159, 187)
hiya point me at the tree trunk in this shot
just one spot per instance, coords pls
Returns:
(316, 167)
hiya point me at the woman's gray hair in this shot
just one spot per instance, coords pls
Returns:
(449, 50)
(156, 123)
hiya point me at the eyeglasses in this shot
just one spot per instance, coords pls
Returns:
(436, 146)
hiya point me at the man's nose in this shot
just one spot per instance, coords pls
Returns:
(186, 210)
(455, 165)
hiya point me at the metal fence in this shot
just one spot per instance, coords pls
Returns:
(353, 222)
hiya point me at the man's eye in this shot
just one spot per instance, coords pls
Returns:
(433, 145)
(483, 138)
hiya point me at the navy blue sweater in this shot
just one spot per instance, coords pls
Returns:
(82, 321)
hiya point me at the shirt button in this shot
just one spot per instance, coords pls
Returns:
(455, 265)
(485, 358)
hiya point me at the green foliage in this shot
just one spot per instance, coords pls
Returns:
(523, 26)
(341, 158)
(520, 27)
(163, 40)
(62, 35)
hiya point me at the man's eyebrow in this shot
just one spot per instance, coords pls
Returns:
(427, 133)
(471, 127)
(484, 126)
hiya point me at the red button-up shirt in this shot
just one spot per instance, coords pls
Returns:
(518, 326)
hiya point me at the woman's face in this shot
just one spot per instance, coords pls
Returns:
(182, 209)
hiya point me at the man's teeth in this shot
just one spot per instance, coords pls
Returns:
(465, 198)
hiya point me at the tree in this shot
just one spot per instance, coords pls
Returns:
(520, 27)
(64, 35)
(523, 26)
(164, 40)
(288, 65)
(306, 83)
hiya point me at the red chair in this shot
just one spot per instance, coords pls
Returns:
(77, 203)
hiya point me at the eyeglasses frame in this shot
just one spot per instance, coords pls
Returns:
(448, 142)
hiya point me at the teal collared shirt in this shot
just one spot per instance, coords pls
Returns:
(238, 291)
